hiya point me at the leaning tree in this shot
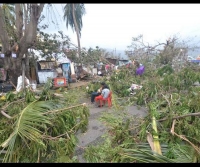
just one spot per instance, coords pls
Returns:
(73, 15)
(17, 35)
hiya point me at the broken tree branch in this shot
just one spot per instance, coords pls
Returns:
(183, 137)
(5, 106)
(6, 115)
(54, 111)
(182, 116)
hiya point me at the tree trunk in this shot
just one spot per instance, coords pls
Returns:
(77, 33)
(23, 74)
(27, 19)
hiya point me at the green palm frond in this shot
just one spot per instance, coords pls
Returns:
(29, 125)
(68, 16)
(144, 154)
(185, 154)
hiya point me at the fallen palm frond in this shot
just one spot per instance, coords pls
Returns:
(145, 156)
(27, 126)
(31, 124)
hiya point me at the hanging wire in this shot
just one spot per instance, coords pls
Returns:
(52, 13)
(58, 13)
(47, 14)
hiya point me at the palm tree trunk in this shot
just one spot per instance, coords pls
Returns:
(77, 34)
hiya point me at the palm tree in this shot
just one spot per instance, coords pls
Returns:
(73, 15)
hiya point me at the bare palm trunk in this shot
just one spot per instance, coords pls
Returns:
(77, 34)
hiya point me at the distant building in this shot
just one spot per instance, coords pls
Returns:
(112, 61)
(117, 62)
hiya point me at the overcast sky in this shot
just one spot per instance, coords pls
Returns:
(113, 25)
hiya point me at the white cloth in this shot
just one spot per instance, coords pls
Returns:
(135, 86)
(19, 83)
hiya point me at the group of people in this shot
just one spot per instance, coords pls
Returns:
(102, 93)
